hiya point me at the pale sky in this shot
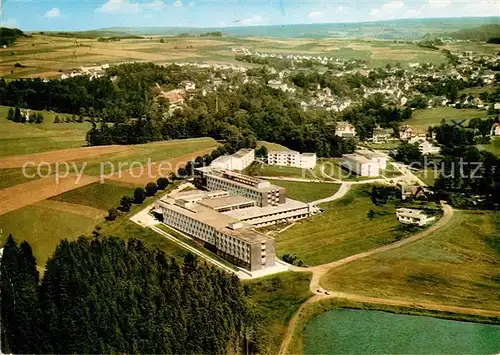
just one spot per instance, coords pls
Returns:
(92, 14)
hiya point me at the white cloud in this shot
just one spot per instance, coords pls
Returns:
(54, 12)
(256, 20)
(341, 9)
(315, 14)
(388, 10)
(482, 8)
(412, 13)
(125, 6)
(191, 3)
(439, 4)
(119, 6)
(10, 23)
(178, 3)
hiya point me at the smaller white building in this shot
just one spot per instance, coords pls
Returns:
(428, 148)
(413, 216)
(238, 161)
(292, 158)
(187, 85)
(345, 130)
(360, 165)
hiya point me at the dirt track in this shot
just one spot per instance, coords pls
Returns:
(31, 192)
(17, 161)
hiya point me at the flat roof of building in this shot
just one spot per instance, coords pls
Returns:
(242, 152)
(255, 212)
(225, 201)
(357, 157)
(217, 220)
(370, 154)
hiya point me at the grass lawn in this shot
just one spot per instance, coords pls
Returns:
(307, 191)
(456, 265)
(433, 116)
(271, 146)
(44, 228)
(14, 176)
(123, 228)
(390, 171)
(343, 229)
(274, 299)
(428, 175)
(97, 195)
(28, 138)
(493, 147)
(325, 169)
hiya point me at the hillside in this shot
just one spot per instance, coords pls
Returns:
(390, 29)
(482, 33)
(9, 36)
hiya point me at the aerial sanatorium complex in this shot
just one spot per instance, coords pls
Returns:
(227, 208)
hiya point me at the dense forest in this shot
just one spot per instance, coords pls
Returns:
(9, 36)
(104, 295)
(464, 170)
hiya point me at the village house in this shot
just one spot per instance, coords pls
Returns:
(382, 135)
(428, 148)
(413, 192)
(345, 130)
(187, 85)
(413, 216)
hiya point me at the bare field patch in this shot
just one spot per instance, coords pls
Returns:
(140, 176)
(79, 210)
(60, 155)
(26, 194)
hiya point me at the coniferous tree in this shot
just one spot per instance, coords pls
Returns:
(10, 114)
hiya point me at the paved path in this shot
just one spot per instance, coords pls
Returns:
(344, 188)
(320, 270)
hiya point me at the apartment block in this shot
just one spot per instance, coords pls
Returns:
(292, 158)
(360, 165)
(237, 161)
(198, 214)
(413, 216)
(379, 158)
(261, 191)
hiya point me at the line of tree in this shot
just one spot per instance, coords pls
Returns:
(15, 115)
(105, 295)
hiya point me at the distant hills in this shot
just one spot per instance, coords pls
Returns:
(393, 29)
(482, 33)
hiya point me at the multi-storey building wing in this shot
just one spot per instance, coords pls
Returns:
(195, 213)
(292, 158)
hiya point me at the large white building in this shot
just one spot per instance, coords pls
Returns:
(379, 158)
(413, 216)
(360, 165)
(292, 158)
(193, 213)
(237, 161)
